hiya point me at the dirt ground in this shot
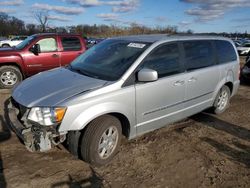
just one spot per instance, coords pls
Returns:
(202, 151)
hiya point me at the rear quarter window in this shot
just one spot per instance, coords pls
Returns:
(225, 52)
(71, 43)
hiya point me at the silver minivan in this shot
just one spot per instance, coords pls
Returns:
(123, 86)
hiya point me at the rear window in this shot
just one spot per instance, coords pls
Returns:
(225, 52)
(199, 54)
(71, 43)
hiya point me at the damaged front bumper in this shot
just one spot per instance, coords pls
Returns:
(35, 137)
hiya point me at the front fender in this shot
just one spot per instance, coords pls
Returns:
(13, 59)
(81, 120)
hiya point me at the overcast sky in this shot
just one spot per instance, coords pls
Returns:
(197, 15)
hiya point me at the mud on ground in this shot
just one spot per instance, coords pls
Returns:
(202, 151)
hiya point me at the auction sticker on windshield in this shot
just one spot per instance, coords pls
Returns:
(136, 45)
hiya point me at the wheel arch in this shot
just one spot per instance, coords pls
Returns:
(74, 137)
(230, 86)
(78, 121)
(17, 65)
(127, 129)
(124, 122)
(7, 44)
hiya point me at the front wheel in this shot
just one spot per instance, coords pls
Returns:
(221, 102)
(101, 140)
(9, 77)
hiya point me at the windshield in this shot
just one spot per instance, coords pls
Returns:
(24, 43)
(109, 59)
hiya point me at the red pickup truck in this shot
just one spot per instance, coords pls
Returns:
(38, 53)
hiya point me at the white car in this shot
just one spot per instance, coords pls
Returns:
(12, 42)
(244, 49)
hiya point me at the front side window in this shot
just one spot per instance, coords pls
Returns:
(165, 60)
(48, 45)
(198, 54)
(225, 51)
(71, 43)
(109, 59)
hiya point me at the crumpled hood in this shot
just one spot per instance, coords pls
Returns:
(52, 87)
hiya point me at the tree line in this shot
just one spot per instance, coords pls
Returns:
(11, 25)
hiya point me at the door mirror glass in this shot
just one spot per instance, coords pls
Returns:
(35, 49)
(147, 75)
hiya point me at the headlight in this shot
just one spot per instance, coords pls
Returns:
(47, 116)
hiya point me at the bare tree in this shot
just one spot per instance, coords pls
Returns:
(42, 17)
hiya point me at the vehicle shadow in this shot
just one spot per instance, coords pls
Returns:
(221, 125)
(95, 180)
(234, 150)
(4, 135)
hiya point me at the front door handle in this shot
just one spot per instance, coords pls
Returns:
(179, 83)
(193, 79)
(55, 55)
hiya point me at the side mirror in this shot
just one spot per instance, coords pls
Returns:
(35, 49)
(147, 75)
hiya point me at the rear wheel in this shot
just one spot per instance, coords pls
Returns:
(222, 100)
(101, 140)
(9, 77)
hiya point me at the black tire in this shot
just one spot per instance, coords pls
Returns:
(73, 142)
(92, 137)
(216, 109)
(5, 46)
(15, 73)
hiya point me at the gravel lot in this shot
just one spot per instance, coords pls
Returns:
(202, 151)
